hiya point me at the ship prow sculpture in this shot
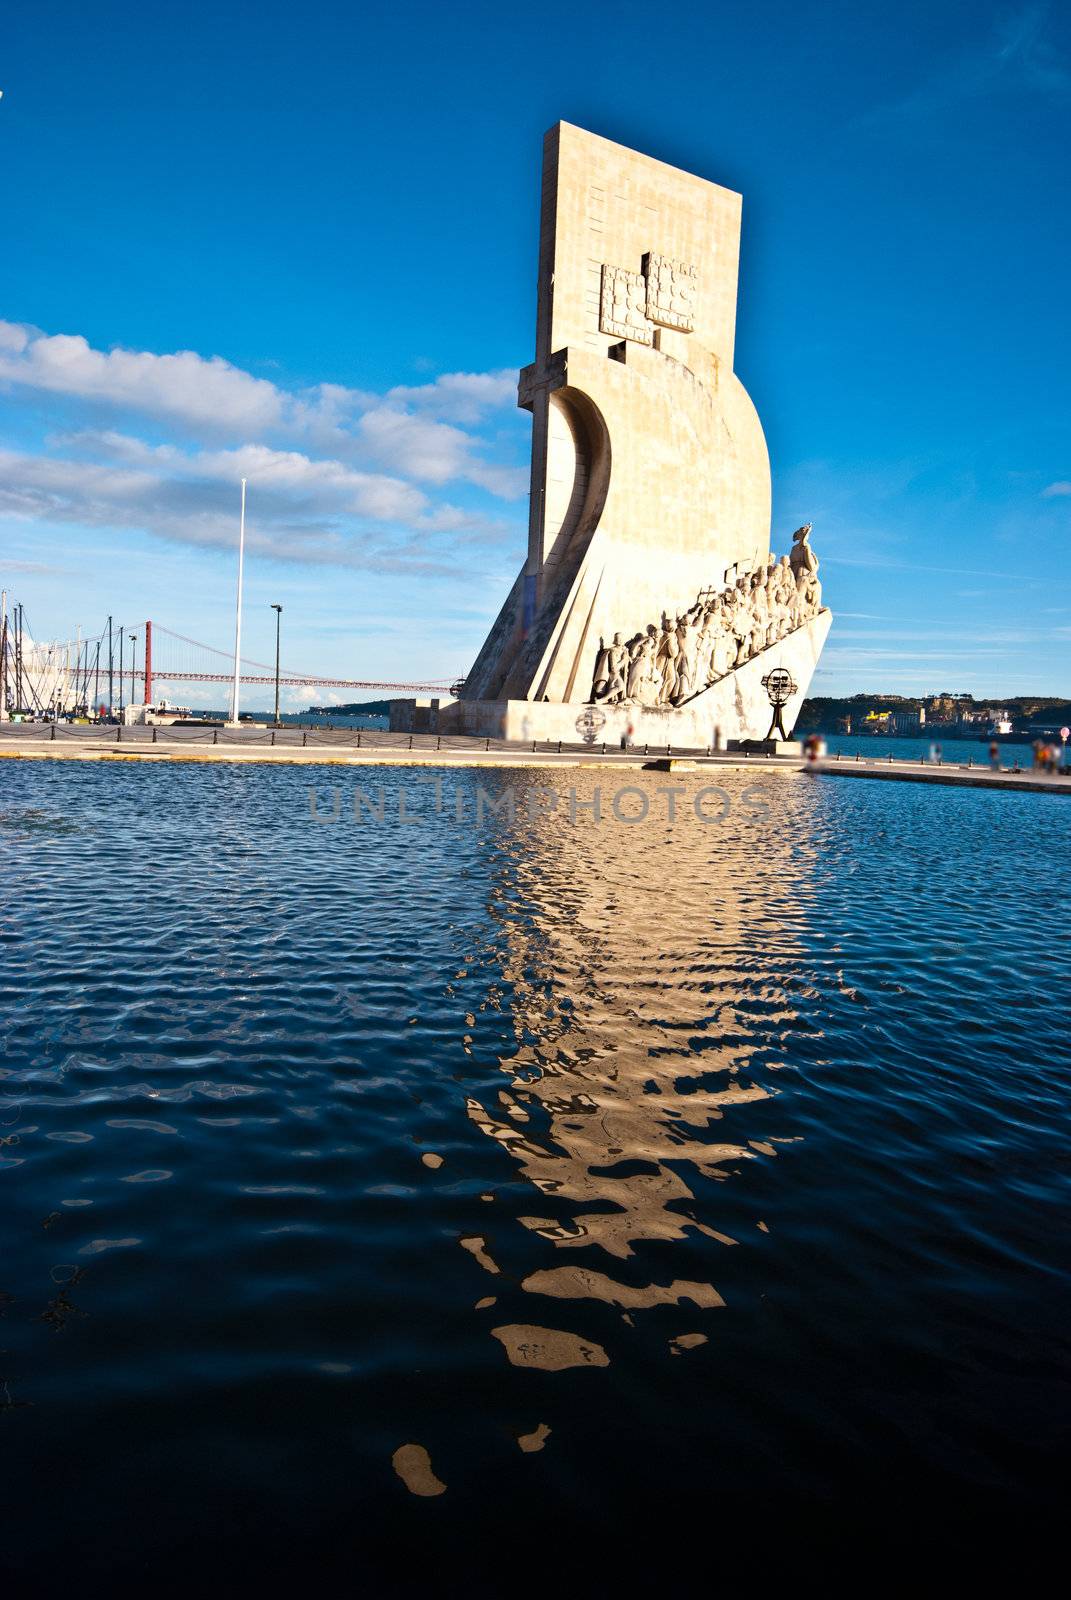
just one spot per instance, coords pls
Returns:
(649, 605)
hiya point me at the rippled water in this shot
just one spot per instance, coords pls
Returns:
(953, 752)
(675, 1186)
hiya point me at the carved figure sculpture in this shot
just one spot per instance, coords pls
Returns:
(760, 616)
(599, 682)
(668, 651)
(802, 557)
(641, 668)
(687, 637)
(669, 664)
(611, 672)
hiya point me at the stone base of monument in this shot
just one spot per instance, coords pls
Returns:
(733, 712)
(765, 747)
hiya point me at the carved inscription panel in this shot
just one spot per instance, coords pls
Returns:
(662, 295)
(624, 305)
(670, 292)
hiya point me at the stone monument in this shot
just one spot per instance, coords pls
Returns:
(649, 605)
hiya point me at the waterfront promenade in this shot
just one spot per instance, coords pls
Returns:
(344, 746)
(289, 745)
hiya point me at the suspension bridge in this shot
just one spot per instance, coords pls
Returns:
(126, 664)
(172, 657)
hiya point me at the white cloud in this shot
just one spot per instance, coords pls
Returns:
(460, 396)
(184, 385)
(415, 429)
(434, 451)
(299, 509)
(37, 568)
(505, 483)
(335, 474)
(1055, 489)
(323, 483)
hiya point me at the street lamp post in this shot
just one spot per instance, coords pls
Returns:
(121, 678)
(133, 659)
(278, 624)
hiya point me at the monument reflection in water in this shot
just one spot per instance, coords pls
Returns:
(643, 963)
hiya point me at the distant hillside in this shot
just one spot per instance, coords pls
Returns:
(824, 712)
(364, 708)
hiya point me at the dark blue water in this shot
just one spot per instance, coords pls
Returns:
(953, 752)
(307, 719)
(762, 1122)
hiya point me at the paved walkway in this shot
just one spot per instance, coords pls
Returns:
(343, 746)
(375, 747)
(962, 774)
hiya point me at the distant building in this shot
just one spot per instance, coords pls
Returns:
(950, 707)
(999, 721)
(907, 722)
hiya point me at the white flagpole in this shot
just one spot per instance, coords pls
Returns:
(238, 614)
(3, 657)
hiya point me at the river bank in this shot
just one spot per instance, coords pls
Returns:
(379, 748)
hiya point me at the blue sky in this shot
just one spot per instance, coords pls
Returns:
(323, 219)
